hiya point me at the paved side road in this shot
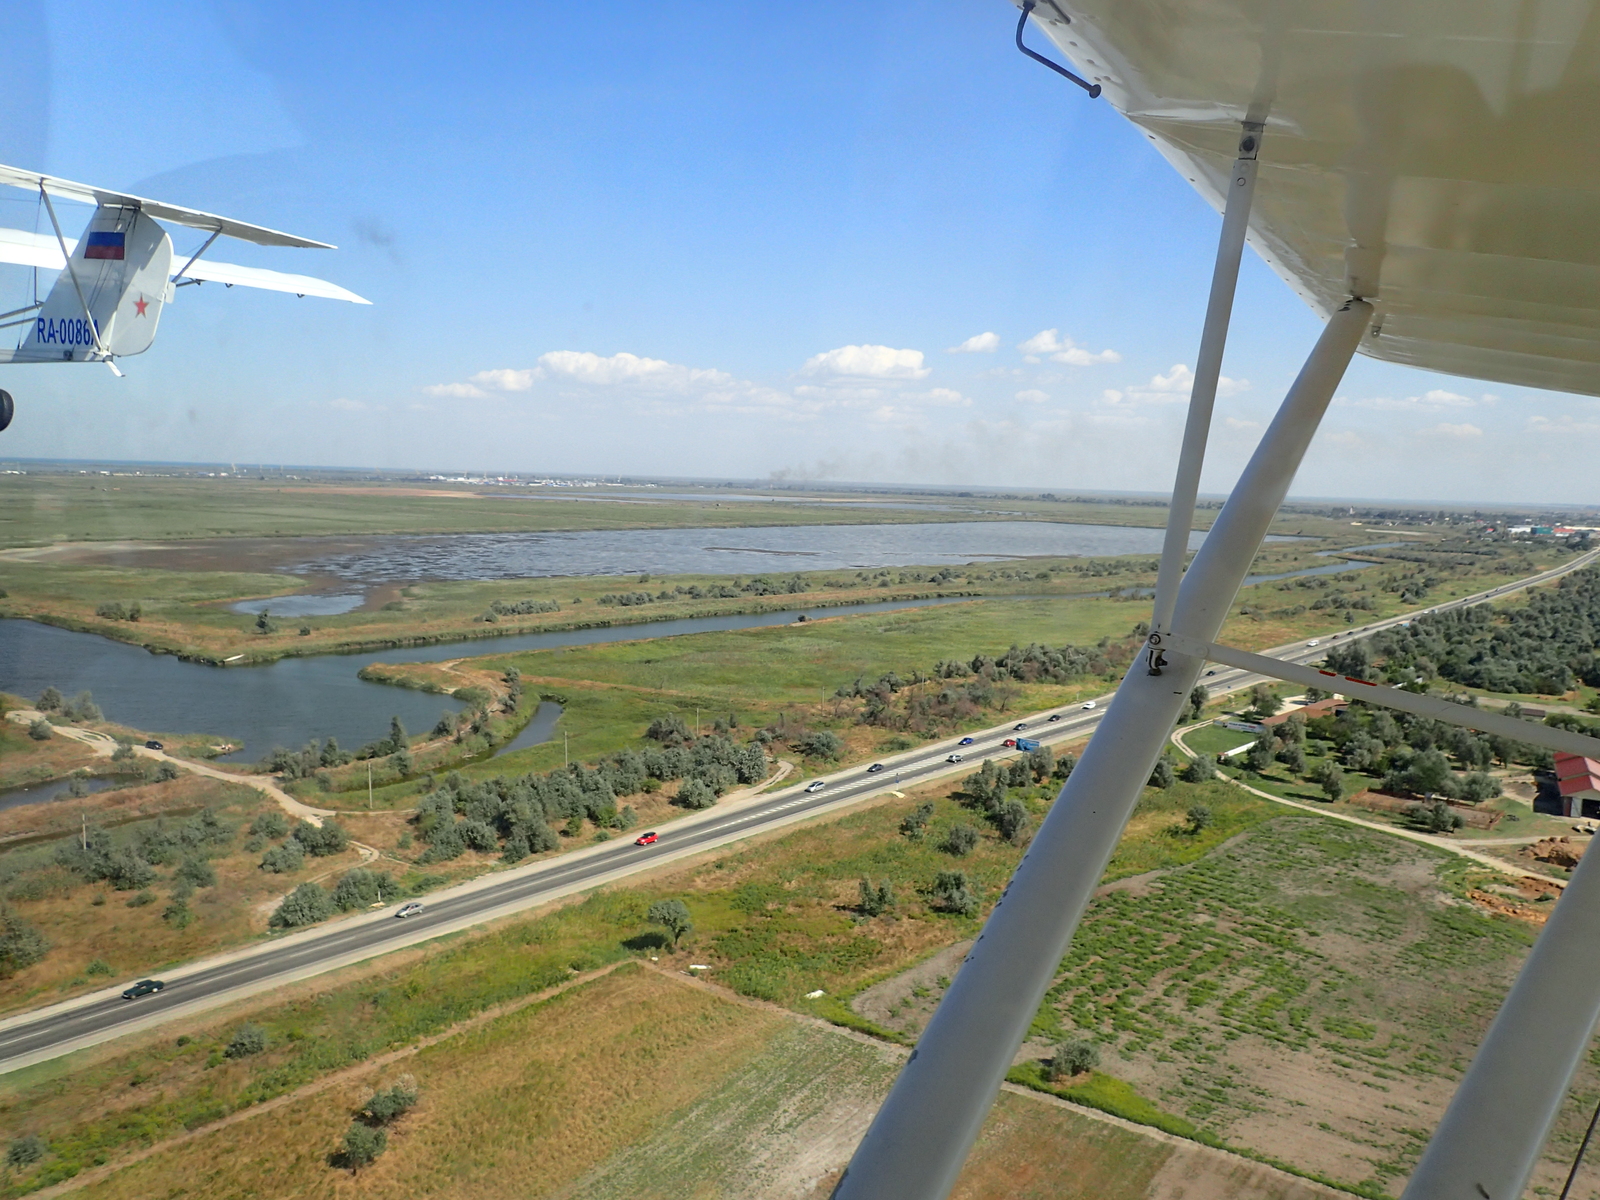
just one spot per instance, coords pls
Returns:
(45, 1033)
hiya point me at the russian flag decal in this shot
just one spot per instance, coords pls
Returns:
(106, 244)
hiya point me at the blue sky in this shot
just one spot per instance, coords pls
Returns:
(702, 239)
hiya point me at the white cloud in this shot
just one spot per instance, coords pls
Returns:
(1564, 425)
(941, 398)
(978, 343)
(1242, 426)
(505, 380)
(1033, 396)
(1435, 400)
(583, 367)
(1064, 350)
(1172, 387)
(459, 390)
(1455, 431)
(345, 404)
(868, 362)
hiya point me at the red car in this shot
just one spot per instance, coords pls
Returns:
(647, 839)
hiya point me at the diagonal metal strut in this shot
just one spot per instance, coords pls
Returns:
(1560, 740)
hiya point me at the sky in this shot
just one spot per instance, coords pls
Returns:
(811, 242)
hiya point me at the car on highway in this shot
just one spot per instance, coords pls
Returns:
(143, 988)
(1020, 725)
(647, 839)
(152, 744)
(1313, 642)
(953, 758)
(408, 910)
(816, 785)
(1086, 705)
(874, 768)
(965, 742)
(1053, 717)
(1009, 743)
(1210, 672)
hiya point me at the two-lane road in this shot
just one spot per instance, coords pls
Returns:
(41, 1034)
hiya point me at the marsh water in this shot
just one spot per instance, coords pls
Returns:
(293, 700)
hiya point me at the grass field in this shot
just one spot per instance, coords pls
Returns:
(591, 1095)
(53, 506)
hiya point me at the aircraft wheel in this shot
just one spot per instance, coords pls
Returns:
(8, 409)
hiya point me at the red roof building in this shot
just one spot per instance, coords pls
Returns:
(1579, 780)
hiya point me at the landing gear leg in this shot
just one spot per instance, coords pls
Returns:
(8, 409)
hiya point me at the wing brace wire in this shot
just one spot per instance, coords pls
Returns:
(94, 329)
(1560, 740)
(1022, 23)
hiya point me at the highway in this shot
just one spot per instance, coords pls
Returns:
(41, 1034)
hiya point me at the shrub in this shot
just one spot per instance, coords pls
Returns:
(822, 744)
(1199, 818)
(952, 893)
(270, 824)
(1074, 1057)
(362, 1145)
(306, 905)
(389, 1104)
(331, 838)
(1161, 775)
(1198, 770)
(21, 945)
(361, 888)
(197, 872)
(695, 794)
(166, 772)
(40, 730)
(916, 821)
(284, 859)
(26, 1150)
(960, 841)
(49, 700)
(876, 900)
(98, 966)
(246, 1040)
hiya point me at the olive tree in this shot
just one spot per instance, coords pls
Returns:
(673, 916)
(1074, 1057)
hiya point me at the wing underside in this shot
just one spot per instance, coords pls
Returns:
(1436, 158)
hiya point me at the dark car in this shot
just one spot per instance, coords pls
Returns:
(152, 744)
(143, 988)
(874, 768)
(965, 742)
(1055, 716)
(1019, 726)
(647, 839)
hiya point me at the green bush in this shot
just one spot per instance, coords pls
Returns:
(246, 1040)
(270, 824)
(26, 1150)
(390, 1104)
(284, 859)
(21, 945)
(1074, 1057)
(362, 1145)
(960, 841)
(306, 905)
(330, 838)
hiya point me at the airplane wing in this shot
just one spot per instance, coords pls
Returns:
(273, 281)
(178, 215)
(1437, 159)
(42, 250)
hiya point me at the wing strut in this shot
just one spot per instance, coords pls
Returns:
(94, 329)
(193, 258)
(1022, 23)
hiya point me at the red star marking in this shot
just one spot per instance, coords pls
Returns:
(140, 305)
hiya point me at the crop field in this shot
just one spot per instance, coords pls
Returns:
(1310, 990)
